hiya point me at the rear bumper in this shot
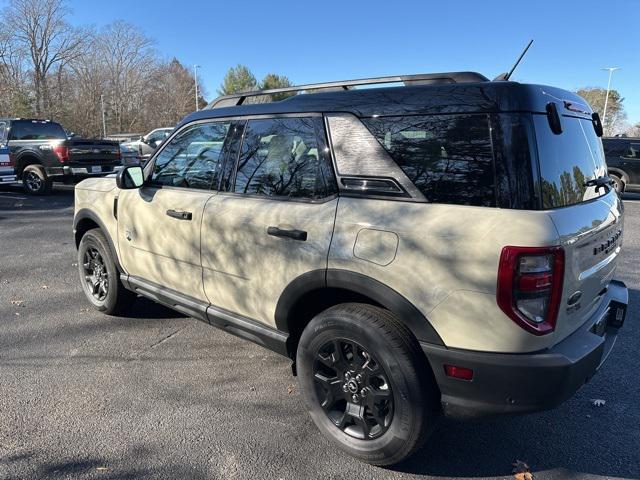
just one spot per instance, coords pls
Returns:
(7, 176)
(81, 171)
(520, 383)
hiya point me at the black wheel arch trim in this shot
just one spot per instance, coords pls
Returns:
(86, 214)
(620, 173)
(26, 158)
(360, 284)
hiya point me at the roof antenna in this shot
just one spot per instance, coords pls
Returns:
(507, 76)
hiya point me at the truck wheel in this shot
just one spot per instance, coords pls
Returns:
(366, 383)
(35, 181)
(618, 183)
(99, 275)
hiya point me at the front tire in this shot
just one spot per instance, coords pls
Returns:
(99, 276)
(35, 181)
(618, 183)
(367, 384)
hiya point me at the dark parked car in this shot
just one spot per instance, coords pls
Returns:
(39, 152)
(623, 162)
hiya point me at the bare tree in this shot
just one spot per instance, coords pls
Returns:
(39, 27)
(616, 115)
(129, 63)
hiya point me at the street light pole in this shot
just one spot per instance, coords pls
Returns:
(195, 79)
(104, 122)
(606, 98)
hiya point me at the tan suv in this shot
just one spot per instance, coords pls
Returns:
(447, 245)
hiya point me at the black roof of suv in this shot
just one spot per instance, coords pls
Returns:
(479, 96)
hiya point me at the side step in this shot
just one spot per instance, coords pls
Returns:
(240, 326)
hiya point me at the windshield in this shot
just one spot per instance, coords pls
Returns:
(568, 161)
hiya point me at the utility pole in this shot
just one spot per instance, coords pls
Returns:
(104, 121)
(606, 98)
(195, 79)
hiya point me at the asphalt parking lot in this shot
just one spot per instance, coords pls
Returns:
(159, 395)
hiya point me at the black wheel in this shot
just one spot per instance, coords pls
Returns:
(618, 183)
(99, 275)
(366, 383)
(35, 181)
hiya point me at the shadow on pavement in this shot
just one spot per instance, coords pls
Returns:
(14, 199)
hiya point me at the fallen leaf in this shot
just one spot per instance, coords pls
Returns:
(44, 287)
(291, 389)
(523, 476)
(17, 303)
(521, 471)
(598, 402)
(102, 469)
(84, 310)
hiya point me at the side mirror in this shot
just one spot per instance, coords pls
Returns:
(597, 124)
(130, 178)
(143, 139)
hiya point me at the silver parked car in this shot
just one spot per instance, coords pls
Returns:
(145, 146)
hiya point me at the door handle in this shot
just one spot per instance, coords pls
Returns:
(294, 234)
(180, 215)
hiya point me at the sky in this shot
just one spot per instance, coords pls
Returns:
(335, 40)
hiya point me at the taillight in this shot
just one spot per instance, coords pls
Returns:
(62, 153)
(530, 286)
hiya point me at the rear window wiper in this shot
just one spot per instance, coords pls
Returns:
(600, 182)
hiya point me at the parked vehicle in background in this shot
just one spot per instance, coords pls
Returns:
(123, 137)
(446, 245)
(145, 146)
(7, 171)
(623, 162)
(40, 153)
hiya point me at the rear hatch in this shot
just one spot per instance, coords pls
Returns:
(84, 152)
(589, 219)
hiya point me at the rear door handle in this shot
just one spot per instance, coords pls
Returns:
(180, 215)
(294, 234)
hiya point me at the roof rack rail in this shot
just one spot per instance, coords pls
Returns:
(419, 79)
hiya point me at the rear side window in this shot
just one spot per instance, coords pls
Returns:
(568, 160)
(634, 150)
(614, 148)
(285, 157)
(449, 158)
(36, 130)
(3, 132)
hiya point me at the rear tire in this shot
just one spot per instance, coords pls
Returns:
(99, 275)
(379, 404)
(35, 180)
(618, 183)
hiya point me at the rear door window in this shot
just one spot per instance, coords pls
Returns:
(3, 132)
(285, 157)
(449, 158)
(36, 130)
(568, 161)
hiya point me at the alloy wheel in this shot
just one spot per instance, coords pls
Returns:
(33, 181)
(95, 274)
(353, 389)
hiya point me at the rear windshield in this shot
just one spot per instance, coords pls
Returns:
(36, 130)
(568, 161)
